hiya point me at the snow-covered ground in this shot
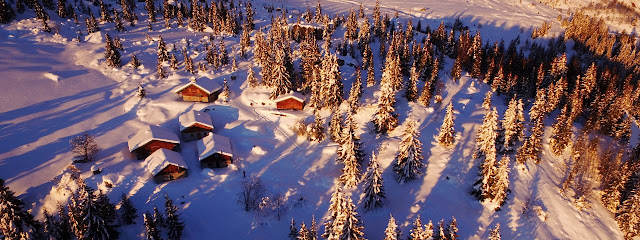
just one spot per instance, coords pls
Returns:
(53, 88)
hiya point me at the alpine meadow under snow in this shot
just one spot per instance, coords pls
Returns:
(397, 119)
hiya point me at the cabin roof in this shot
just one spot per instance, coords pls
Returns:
(214, 143)
(150, 133)
(162, 158)
(295, 95)
(205, 84)
(192, 117)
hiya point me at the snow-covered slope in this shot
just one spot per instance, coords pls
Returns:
(53, 88)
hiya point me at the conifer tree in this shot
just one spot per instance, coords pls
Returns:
(293, 231)
(628, 215)
(348, 224)
(486, 103)
(252, 81)
(456, 70)
(561, 134)
(350, 154)
(356, 92)
(111, 54)
(513, 125)
(279, 75)
(486, 153)
(129, 212)
(335, 127)
(174, 225)
(226, 93)
(188, 61)
(107, 211)
(135, 62)
(332, 88)
(173, 61)
(93, 223)
(151, 229)
(411, 92)
(392, 232)
(487, 134)
(51, 230)
(494, 234)
(501, 184)
(6, 12)
(417, 231)
(373, 185)
(336, 208)
(532, 146)
(161, 73)
(408, 163)
(151, 10)
(385, 119)
(452, 229)
(446, 137)
(313, 229)
(15, 221)
(162, 53)
(303, 234)
(158, 217)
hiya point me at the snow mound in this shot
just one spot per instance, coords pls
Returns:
(51, 76)
(95, 37)
(257, 150)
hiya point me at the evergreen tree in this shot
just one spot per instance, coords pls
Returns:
(561, 134)
(174, 225)
(129, 212)
(487, 154)
(162, 53)
(348, 224)
(15, 221)
(118, 20)
(532, 146)
(135, 62)
(107, 211)
(316, 133)
(111, 54)
(486, 103)
(385, 119)
(350, 154)
(51, 230)
(487, 135)
(158, 217)
(452, 229)
(335, 127)
(313, 230)
(280, 77)
(226, 93)
(303, 234)
(408, 163)
(356, 92)
(151, 10)
(188, 61)
(332, 87)
(392, 232)
(456, 70)
(6, 12)
(500, 187)
(494, 234)
(411, 92)
(513, 125)
(252, 81)
(446, 137)
(161, 73)
(151, 229)
(628, 215)
(293, 231)
(173, 61)
(336, 208)
(63, 222)
(417, 231)
(373, 185)
(92, 221)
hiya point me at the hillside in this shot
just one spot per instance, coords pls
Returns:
(54, 87)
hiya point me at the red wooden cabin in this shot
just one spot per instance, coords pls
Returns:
(151, 138)
(202, 90)
(195, 125)
(166, 165)
(291, 101)
(214, 151)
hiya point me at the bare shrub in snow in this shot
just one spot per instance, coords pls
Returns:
(83, 145)
(252, 193)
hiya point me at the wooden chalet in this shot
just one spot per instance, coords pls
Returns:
(214, 151)
(166, 165)
(291, 101)
(147, 140)
(202, 90)
(298, 31)
(195, 125)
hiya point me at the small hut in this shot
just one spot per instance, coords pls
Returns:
(166, 165)
(201, 90)
(214, 151)
(195, 125)
(290, 101)
(151, 138)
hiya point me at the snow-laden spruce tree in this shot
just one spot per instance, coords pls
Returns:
(252, 81)
(487, 134)
(111, 54)
(316, 130)
(446, 137)
(293, 231)
(128, 214)
(408, 163)
(452, 229)
(456, 70)
(107, 211)
(303, 233)
(561, 133)
(494, 234)
(335, 127)
(151, 228)
(385, 119)
(628, 215)
(500, 186)
(348, 155)
(348, 225)
(336, 208)
(417, 230)
(513, 125)
(226, 92)
(332, 88)
(532, 146)
(373, 185)
(411, 89)
(392, 232)
(281, 79)
(356, 92)
(174, 225)
(15, 221)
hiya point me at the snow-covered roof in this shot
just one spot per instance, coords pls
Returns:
(192, 117)
(162, 158)
(206, 84)
(150, 133)
(214, 143)
(295, 95)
